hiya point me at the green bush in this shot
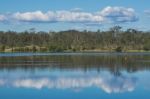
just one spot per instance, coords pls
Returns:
(34, 49)
(56, 49)
(118, 49)
(2, 48)
(146, 47)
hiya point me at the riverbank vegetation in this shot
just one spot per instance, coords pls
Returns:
(114, 39)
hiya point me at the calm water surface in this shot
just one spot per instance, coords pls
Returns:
(75, 76)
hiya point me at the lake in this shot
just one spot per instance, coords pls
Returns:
(74, 75)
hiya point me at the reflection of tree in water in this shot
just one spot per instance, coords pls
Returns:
(116, 73)
(113, 63)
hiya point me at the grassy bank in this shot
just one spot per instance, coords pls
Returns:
(46, 49)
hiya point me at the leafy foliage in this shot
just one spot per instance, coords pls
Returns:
(114, 39)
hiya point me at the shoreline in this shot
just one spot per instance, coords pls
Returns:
(83, 51)
(28, 54)
(132, 51)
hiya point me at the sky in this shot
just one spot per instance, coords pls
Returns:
(57, 15)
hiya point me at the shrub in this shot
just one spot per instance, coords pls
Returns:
(2, 48)
(118, 49)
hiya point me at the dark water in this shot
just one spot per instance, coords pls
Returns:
(75, 76)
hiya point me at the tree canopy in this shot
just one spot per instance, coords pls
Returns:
(114, 39)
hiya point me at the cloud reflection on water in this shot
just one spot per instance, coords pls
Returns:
(108, 83)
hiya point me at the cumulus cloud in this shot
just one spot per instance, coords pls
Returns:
(33, 16)
(147, 12)
(76, 9)
(113, 14)
(2, 17)
(119, 14)
(58, 16)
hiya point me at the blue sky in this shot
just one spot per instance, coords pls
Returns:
(47, 15)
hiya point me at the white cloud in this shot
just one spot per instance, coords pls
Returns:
(34, 16)
(112, 14)
(147, 12)
(2, 17)
(58, 16)
(119, 14)
(76, 9)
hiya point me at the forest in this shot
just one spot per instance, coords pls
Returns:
(114, 39)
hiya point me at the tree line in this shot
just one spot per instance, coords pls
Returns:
(114, 39)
